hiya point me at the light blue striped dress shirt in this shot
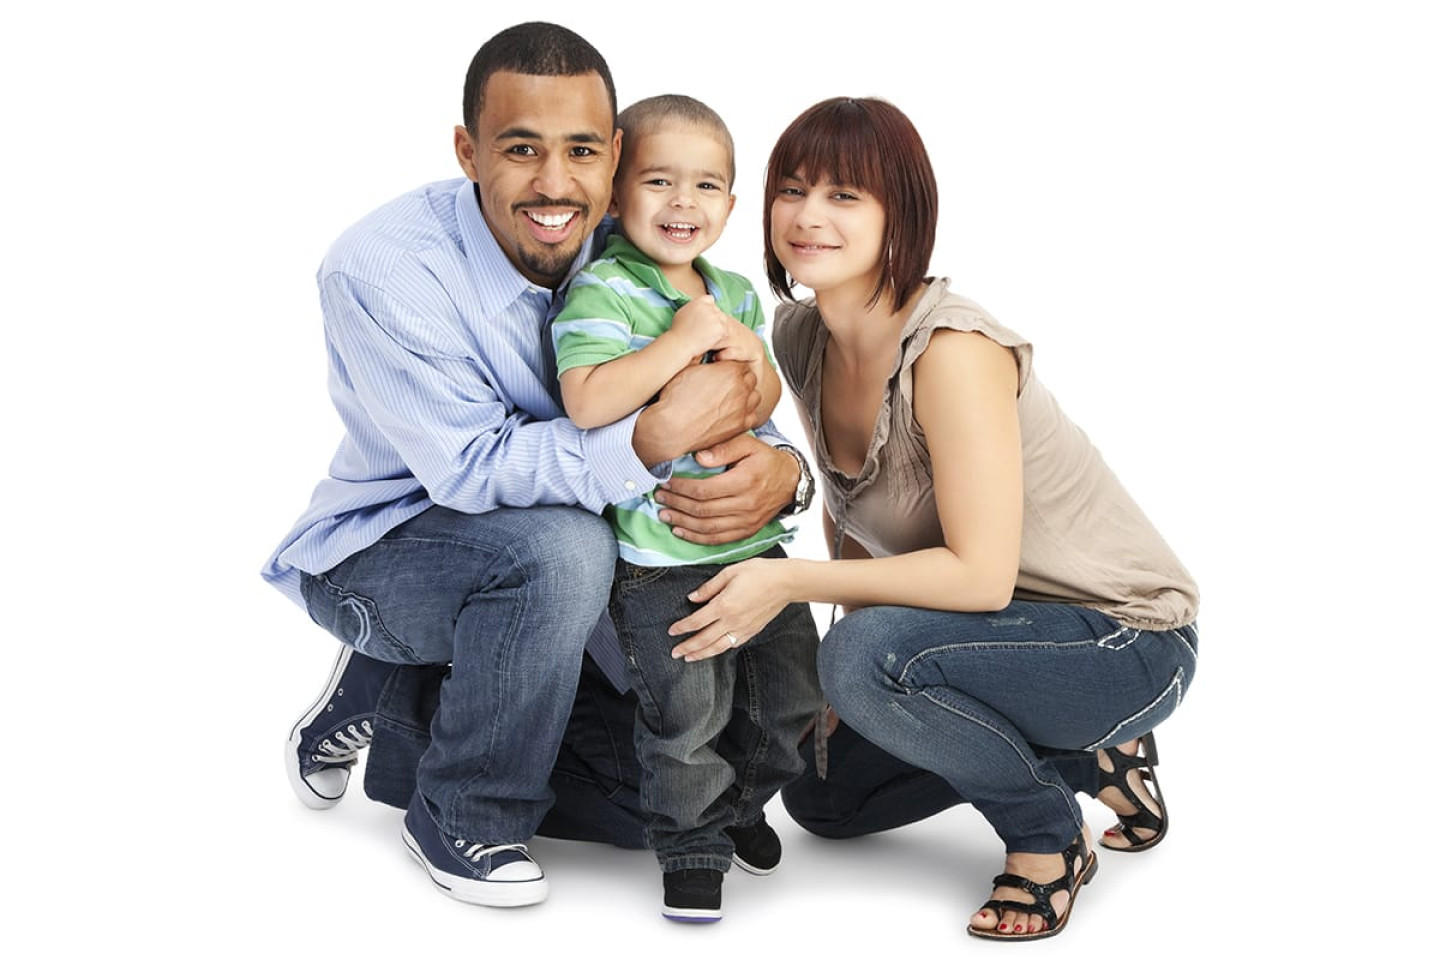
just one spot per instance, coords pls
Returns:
(443, 375)
(441, 371)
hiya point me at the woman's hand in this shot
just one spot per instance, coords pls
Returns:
(737, 602)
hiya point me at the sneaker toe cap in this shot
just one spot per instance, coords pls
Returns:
(517, 871)
(327, 785)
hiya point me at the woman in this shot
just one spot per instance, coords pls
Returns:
(1014, 626)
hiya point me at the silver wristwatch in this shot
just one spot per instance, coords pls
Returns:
(804, 488)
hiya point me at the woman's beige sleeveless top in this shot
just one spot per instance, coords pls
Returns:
(1084, 540)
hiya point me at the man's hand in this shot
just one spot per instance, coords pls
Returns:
(702, 405)
(732, 505)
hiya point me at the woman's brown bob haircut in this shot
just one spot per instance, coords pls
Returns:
(867, 144)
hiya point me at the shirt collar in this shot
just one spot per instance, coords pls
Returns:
(649, 272)
(500, 283)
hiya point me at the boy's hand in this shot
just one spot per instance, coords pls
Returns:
(700, 325)
(740, 344)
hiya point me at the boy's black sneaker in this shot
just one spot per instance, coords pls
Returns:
(693, 896)
(757, 847)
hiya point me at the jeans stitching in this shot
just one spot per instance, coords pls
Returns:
(630, 577)
(1177, 684)
(745, 661)
(1179, 634)
(371, 623)
(506, 651)
(1064, 792)
(1104, 641)
(933, 652)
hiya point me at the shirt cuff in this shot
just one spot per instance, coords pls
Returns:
(610, 452)
(771, 435)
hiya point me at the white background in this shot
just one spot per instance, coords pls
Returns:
(1218, 223)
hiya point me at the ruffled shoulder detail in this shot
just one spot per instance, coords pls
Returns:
(939, 309)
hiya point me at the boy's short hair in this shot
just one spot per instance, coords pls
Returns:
(868, 144)
(646, 116)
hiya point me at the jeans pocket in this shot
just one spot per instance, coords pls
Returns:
(353, 619)
(1148, 717)
(630, 577)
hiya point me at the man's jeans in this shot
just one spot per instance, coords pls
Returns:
(507, 598)
(695, 782)
(1002, 710)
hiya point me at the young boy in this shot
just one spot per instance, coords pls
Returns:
(648, 307)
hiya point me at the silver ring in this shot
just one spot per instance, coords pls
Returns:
(732, 638)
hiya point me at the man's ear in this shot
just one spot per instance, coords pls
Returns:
(465, 152)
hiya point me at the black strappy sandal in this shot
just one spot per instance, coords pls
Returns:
(1119, 778)
(1042, 892)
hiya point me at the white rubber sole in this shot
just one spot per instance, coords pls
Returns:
(751, 868)
(486, 893)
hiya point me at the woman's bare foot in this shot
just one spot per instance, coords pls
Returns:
(1040, 868)
(1141, 826)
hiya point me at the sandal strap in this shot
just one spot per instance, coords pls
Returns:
(1123, 763)
(1036, 890)
(1077, 852)
(1144, 819)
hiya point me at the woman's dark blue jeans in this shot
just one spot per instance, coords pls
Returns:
(1002, 710)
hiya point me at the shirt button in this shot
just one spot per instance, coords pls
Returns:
(629, 484)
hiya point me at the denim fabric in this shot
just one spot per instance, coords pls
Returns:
(1002, 710)
(507, 598)
(698, 777)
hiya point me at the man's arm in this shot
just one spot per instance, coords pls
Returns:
(463, 441)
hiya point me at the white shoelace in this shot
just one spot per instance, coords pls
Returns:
(478, 851)
(352, 739)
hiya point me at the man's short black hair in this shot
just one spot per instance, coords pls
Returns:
(536, 50)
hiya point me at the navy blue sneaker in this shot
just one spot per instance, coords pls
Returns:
(693, 896)
(501, 875)
(329, 736)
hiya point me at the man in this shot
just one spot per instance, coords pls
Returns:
(459, 523)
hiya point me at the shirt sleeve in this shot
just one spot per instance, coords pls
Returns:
(441, 412)
(593, 327)
(750, 312)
